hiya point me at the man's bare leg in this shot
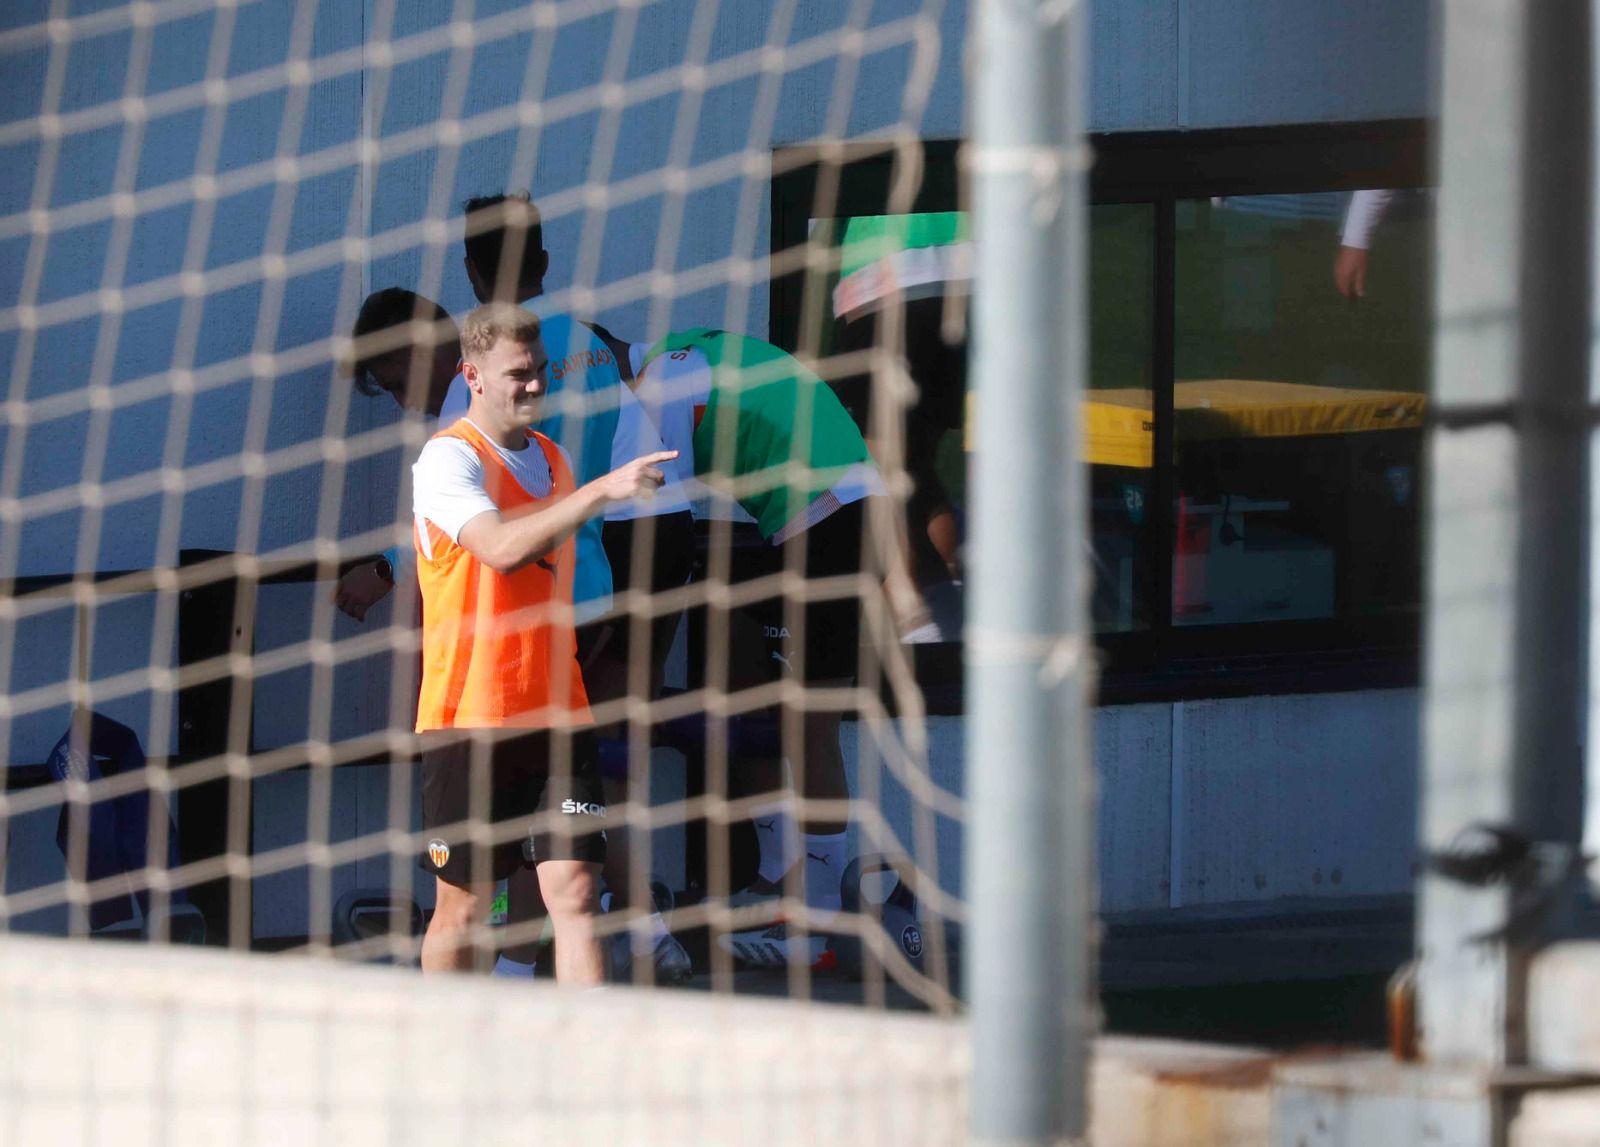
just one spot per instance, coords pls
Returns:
(447, 946)
(571, 891)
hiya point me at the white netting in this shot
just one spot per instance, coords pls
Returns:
(196, 198)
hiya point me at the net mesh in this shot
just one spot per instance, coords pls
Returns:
(203, 744)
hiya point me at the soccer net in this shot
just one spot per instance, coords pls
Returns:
(241, 241)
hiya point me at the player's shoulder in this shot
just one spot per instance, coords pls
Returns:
(574, 348)
(447, 452)
(626, 355)
(562, 331)
(459, 429)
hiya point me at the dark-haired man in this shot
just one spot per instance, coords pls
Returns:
(406, 346)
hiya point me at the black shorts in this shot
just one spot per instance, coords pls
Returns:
(519, 767)
(671, 561)
(831, 650)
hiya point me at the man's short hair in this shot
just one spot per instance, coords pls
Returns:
(504, 239)
(395, 319)
(490, 323)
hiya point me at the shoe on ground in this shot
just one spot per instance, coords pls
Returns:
(771, 946)
(670, 960)
(759, 891)
(672, 965)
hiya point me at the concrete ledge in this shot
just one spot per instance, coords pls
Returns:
(1369, 1099)
(128, 1045)
(1563, 1023)
(132, 1045)
(1154, 1093)
(1558, 1119)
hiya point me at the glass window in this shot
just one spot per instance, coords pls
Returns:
(1254, 407)
(1300, 362)
(1118, 414)
(917, 269)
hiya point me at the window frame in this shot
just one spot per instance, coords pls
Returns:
(1164, 662)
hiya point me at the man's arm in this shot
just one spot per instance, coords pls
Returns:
(507, 542)
(1361, 219)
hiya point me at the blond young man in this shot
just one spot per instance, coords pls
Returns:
(502, 711)
(506, 260)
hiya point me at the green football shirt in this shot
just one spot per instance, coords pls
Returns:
(767, 424)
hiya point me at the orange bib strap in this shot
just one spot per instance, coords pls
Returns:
(498, 649)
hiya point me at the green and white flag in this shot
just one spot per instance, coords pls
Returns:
(909, 255)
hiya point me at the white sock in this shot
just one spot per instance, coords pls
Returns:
(825, 861)
(780, 844)
(512, 969)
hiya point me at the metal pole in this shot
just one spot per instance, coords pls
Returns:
(1506, 595)
(1552, 571)
(1591, 824)
(1029, 853)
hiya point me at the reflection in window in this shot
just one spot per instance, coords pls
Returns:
(1117, 414)
(916, 268)
(1300, 359)
(920, 265)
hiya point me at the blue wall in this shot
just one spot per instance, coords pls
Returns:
(1206, 803)
(1184, 63)
(211, 375)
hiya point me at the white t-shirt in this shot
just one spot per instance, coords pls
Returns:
(670, 389)
(637, 435)
(448, 488)
(668, 392)
(403, 559)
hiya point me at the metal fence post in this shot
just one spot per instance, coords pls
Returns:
(1507, 583)
(1030, 844)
